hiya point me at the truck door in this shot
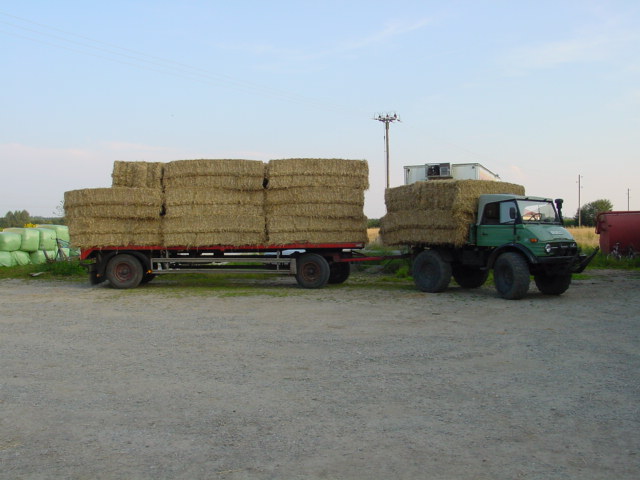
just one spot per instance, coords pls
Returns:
(497, 224)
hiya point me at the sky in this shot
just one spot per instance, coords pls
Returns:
(544, 93)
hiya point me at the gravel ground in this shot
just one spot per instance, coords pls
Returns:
(357, 381)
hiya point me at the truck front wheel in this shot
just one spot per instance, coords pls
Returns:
(469, 277)
(124, 271)
(511, 276)
(553, 284)
(312, 270)
(431, 273)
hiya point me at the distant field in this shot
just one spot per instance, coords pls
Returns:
(585, 236)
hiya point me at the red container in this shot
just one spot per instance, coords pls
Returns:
(619, 227)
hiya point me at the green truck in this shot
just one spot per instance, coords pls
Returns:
(517, 237)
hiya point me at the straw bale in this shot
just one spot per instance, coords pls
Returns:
(191, 239)
(317, 166)
(207, 196)
(232, 167)
(312, 224)
(324, 210)
(133, 238)
(108, 211)
(116, 225)
(227, 182)
(116, 196)
(319, 195)
(324, 236)
(318, 180)
(462, 194)
(177, 211)
(214, 224)
(137, 174)
(416, 236)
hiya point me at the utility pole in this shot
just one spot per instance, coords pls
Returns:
(579, 204)
(628, 199)
(387, 119)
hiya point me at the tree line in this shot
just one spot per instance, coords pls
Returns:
(20, 218)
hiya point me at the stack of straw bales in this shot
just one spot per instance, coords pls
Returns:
(436, 212)
(214, 202)
(114, 216)
(190, 203)
(316, 201)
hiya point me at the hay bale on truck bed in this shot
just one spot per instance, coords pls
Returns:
(436, 212)
(316, 200)
(117, 216)
(214, 202)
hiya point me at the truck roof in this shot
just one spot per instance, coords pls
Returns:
(500, 197)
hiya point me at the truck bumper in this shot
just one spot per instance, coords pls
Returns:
(562, 265)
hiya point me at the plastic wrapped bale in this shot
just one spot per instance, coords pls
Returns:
(40, 257)
(62, 231)
(21, 258)
(6, 259)
(10, 241)
(30, 238)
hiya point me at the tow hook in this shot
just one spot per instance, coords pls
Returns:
(583, 261)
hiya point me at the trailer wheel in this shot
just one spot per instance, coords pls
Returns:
(339, 272)
(312, 270)
(469, 277)
(511, 275)
(431, 273)
(124, 271)
(552, 284)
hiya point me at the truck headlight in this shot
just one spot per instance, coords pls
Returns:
(548, 248)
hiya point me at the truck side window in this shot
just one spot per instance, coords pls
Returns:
(491, 214)
(508, 212)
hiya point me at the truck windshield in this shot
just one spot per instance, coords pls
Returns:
(537, 211)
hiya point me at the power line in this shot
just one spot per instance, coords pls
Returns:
(107, 51)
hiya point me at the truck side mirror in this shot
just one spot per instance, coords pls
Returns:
(512, 213)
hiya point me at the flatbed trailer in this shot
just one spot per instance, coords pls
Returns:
(314, 265)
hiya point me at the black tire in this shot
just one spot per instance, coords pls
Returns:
(312, 270)
(469, 277)
(147, 277)
(124, 271)
(431, 273)
(339, 272)
(511, 275)
(553, 284)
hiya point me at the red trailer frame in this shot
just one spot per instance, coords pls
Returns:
(313, 264)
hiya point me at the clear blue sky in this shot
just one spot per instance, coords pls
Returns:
(539, 92)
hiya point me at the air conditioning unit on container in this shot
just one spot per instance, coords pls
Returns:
(438, 170)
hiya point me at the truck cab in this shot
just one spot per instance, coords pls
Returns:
(532, 222)
(516, 236)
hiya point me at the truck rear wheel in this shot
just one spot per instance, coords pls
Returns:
(431, 273)
(124, 271)
(553, 284)
(339, 272)
(511, 275)
(312, 270)
(469, 277)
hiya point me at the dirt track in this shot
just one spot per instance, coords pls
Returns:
(352, 381)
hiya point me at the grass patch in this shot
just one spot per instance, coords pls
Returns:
(69, 269)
